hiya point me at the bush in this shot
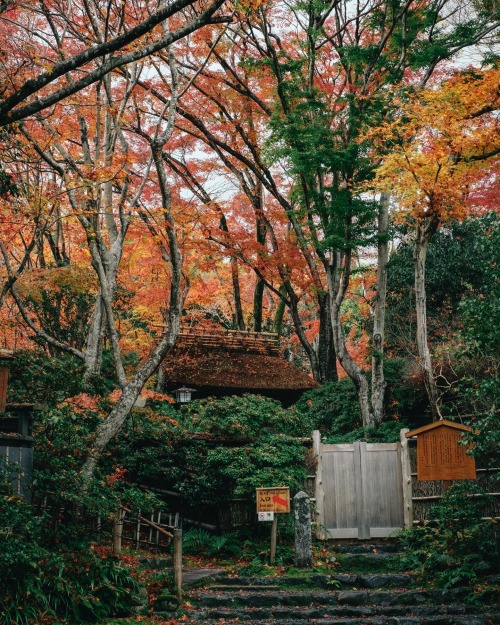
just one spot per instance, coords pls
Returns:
(218, 448)
(388, 432)
(40, 583)
(454, 545)
(199, 541)
(242, 417)
(333, 408)
(36, 377)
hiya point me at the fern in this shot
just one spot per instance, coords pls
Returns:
(198, 540)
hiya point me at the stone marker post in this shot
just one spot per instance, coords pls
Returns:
(303, 541)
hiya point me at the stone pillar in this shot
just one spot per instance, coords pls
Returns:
(303, 541)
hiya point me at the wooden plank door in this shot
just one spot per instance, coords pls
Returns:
(359, 490)
(382, 489)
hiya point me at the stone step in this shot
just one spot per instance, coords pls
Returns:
(315, 612)
(380, 562)
(358, 548)
(342, 580)
(358, 598)
(452, 615)
(244, 581)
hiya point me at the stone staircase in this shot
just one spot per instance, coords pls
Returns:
(376, 597)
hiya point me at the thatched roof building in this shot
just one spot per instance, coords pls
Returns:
(217, 363)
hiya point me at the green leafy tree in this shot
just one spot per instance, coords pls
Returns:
(462, 304)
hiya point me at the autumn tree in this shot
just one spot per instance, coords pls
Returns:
(93, 156)
(52, 51)
(311, 88)
(443, 149)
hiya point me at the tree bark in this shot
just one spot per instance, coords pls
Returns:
(424, 232)
(113, 422)
(280, 313)
(93, 349)
(378, 380)
(258, 297)
(261, 231)
(327, 358)
(353, 370)
(238, 308)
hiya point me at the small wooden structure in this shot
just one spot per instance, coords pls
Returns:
(218, 363)
(439, 454)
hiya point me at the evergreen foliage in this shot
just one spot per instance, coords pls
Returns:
(454, 546)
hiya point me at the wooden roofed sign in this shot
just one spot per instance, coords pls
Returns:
(439, 454)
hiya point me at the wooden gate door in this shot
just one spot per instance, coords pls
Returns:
(359, 492)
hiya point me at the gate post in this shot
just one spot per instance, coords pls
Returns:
(361, 478)
(319, 493)
(407, 485)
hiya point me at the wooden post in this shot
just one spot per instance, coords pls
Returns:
(319, 493)
(407, 485)
(118, 531)
(316, 438)
(178, 563)
(138, 531)
(361, 481)
(274, 534)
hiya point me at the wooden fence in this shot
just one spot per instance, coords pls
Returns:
(147, 531)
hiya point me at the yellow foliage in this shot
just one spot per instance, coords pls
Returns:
(72, 278)
(444, 141)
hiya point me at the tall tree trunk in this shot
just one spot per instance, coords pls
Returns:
(261, 231)
(424, 233)
(326, 350)
(109, 427)
(280, 313)
(353, 370)
(378, 379)
(258, 296)
(93, 349)
(238, 308)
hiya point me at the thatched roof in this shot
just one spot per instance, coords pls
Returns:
(232, 363)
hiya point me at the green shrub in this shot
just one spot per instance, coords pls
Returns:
(332, 408)
(43, 581)
(388, 432)
(454, 545)
(270, 460)
(254, 446)
(36, 377)
(242, 417)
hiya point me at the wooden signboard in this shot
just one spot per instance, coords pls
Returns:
(439, 456)
(273, 499)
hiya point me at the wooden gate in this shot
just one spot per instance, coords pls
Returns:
(358, 490)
